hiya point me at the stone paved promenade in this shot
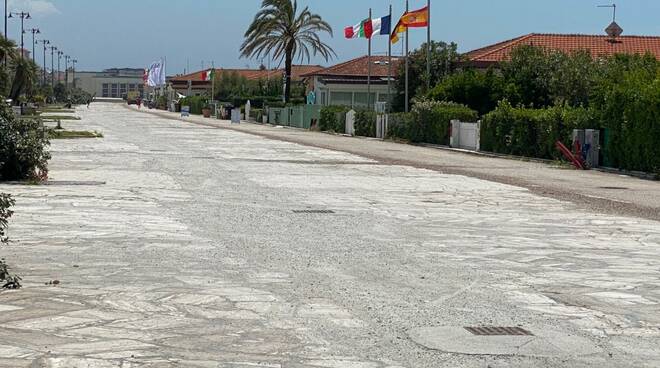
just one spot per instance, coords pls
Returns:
(183, 245)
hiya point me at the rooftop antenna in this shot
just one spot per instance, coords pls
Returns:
(613, 30)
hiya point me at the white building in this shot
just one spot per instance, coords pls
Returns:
(115, 83)
(346, 83)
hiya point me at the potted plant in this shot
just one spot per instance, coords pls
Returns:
(206, 111)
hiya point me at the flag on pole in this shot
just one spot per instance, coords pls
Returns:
(208, 75)
(411, 19)
(370, 27)
(156, 74)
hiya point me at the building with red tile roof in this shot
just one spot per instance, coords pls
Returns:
(195, 84)
(346, 83)
(598, 46)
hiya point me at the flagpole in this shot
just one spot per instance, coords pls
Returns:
(428, 48)
(407, 64)
(212, 80)
(369, 67)
(389, 64)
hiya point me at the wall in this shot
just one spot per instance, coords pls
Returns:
(354, 95)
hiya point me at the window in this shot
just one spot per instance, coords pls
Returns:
(132, 87)
(115, 90)
(362, 101)
(341, 98)
(106, 90)
(383, 97)
(123, 88)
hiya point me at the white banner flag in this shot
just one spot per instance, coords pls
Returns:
(156, 74)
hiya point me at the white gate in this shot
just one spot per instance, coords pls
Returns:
(350, 123)
(465, 135)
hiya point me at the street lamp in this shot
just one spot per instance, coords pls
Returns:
(23, 16)
(34, 31)
(66, 71)
(44, 42)
(52, 65)
(59, 59)
(74, 61)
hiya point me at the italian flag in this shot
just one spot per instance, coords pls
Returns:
(368, 28)
(207, 75)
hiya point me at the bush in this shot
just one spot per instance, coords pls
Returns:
(333, 118)
(365, 123)
(23, 147)
(429, 121)
(532, 132)
(196, 103)
(5, 213)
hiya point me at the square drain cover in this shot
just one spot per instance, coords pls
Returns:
(499, 331)
(313, 211)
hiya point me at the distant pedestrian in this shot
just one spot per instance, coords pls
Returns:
(139, 102)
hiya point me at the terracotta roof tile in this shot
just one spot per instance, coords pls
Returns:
(599, 46)
(359, 67)
(297, 72)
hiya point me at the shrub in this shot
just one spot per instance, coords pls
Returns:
(399, 125)
(532, 132)
(23, 147)
(431, 120)
(5, 213)
(196, 103)
(333, 118)
(365, 123)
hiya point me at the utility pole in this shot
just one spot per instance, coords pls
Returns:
(34, 31)
(59, 59)
(44, 42)
(23, 16)
(407, 107)
(52, 65)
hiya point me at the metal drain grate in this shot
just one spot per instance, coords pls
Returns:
(499, 331)
(314, 211)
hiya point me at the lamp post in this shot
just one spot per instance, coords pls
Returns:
(23, 16)
(34, 31)
(74, 61)
(44, 42)
(59, 59)
(66, 71)
(52, 65)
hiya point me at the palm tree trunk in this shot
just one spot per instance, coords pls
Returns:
(287, 70)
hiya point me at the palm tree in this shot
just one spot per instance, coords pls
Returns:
(7, 48)
(278, 29)
(25, 78)
(7, 53)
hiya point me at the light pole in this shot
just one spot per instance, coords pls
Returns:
(66, 71)
(44, 42)
(34, 31)
(23, 16)
(52, 65)
(59, 59)
(74, 61)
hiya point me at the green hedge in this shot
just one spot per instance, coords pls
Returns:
(429, 121)
(365, 123)
(196, 103)
(532, 132)
(5, 213)
(628, 107)
(333, 119)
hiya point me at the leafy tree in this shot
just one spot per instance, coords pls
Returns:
(280, 30)
(478, 90)
(443, 62)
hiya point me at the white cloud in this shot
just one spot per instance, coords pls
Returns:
(34, 7)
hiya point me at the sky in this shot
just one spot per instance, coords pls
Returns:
(195, 33)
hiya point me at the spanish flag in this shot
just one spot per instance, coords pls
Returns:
(412, 19)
